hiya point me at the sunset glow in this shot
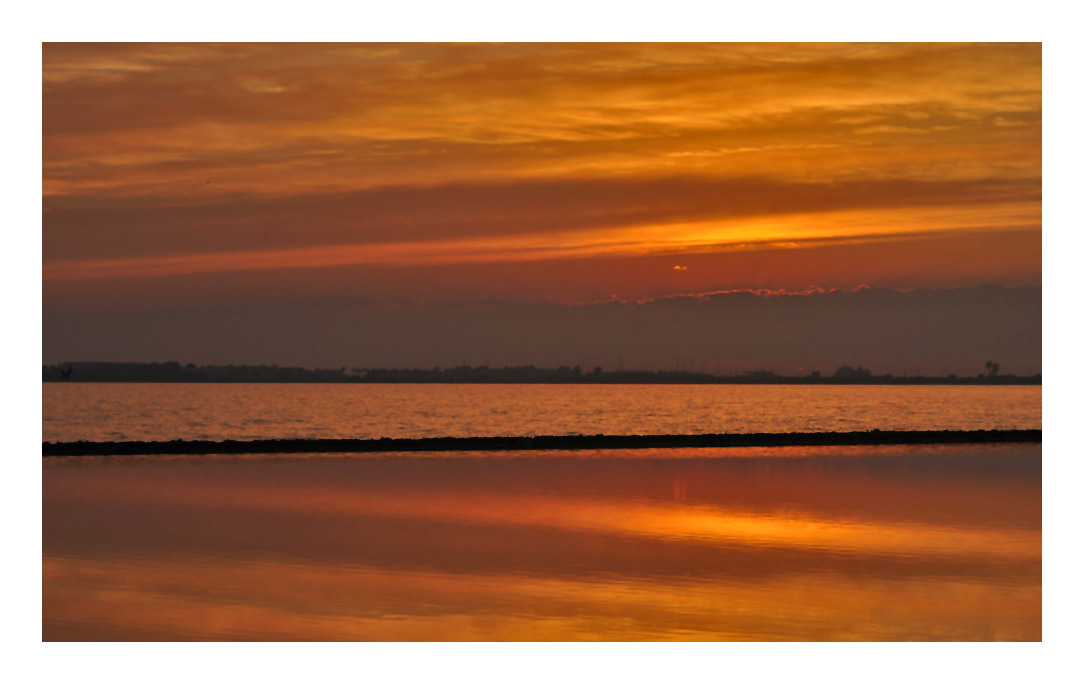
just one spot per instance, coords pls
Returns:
(181, 177)
(280, 156)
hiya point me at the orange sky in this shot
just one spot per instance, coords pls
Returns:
(216, 203)
(163, 160)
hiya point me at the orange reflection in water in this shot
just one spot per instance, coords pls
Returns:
(545, 548)
(656, 519)
(121, 600)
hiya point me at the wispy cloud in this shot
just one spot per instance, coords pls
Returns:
(206, 158)
(436, 114)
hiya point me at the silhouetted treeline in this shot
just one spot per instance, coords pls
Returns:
(174, 372)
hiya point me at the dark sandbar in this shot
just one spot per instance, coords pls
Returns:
(542, 442)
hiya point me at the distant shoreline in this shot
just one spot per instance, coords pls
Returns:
(916, 380)
(542, 442)
(174, 372)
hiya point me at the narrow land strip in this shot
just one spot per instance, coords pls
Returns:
(541, 442)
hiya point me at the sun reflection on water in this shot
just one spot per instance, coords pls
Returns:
(932, 543)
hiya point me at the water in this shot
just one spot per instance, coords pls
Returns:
(136, 411)
(788, 543)
(828, 543)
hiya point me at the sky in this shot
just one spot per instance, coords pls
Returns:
(725, 207)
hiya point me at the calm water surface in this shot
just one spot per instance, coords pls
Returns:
(828, 543)
(136, 411)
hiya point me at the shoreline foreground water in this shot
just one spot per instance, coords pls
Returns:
(541, 442)
(917, 542)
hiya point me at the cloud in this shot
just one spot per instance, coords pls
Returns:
(549, 170)
(175, 158)
(931, 331)
(294, 118)
(631, 211)
(951, 258)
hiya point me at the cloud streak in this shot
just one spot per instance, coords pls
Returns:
(690, 210)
